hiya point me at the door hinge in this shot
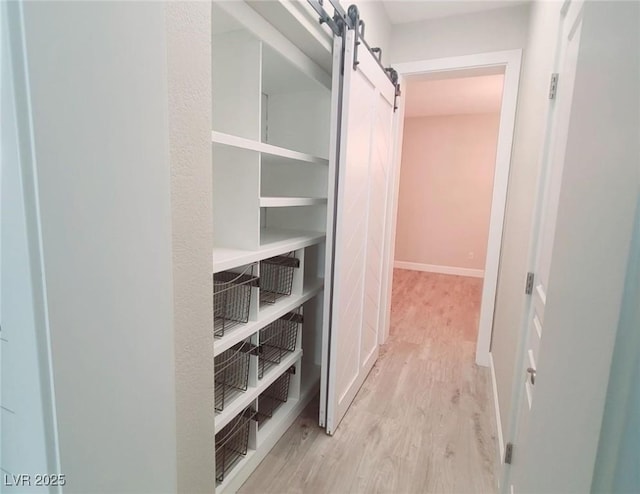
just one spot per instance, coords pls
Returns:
(528, 288)
(553, 85)
(508, 453)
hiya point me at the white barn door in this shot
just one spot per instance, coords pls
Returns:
(361, 207)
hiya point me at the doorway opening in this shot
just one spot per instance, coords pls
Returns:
(450, 139)
(507, 65)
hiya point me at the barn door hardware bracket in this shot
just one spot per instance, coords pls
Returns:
(528, 288)
(340, 21)
(336, 22)
(393, 76)
(378, 52)
(358, 26)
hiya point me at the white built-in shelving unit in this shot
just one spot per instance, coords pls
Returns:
(270, 138)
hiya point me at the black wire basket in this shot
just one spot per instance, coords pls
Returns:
(277, 340)
(232, 372)
(276, 277)
(232, 299)
(274, 396)
(232, 443)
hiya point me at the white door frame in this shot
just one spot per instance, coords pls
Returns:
(510, 60)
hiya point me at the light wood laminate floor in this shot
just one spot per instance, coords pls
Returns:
(423, 420)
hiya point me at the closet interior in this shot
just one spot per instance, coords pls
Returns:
(270, 137)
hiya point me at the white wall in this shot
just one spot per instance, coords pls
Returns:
(446, 182)
(480, 32)
(189, 73)
(97, 75)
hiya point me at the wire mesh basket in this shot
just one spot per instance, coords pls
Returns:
(274, 396)
(232, 298)
(277, 340)
(232, 372)
(232, 443)
(276, 277)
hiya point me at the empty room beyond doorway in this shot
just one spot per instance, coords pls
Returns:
(446, 179)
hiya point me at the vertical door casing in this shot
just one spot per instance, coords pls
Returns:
(361, 210)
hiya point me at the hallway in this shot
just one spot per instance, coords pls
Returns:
(423, 420)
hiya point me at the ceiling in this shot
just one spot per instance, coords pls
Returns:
(453, 96)
(402, 11)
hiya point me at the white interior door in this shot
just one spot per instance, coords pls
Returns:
(361, 207)
(567, 53)
(556, 447)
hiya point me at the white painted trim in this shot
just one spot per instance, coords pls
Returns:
(495, 58)
(435, 268)
(392, 212)
(511, 60)
(496, 405)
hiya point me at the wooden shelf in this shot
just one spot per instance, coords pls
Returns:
(241, 142)
(285, 202)
(266, 315)
(273, 243)
(274, 239)
(243, 400)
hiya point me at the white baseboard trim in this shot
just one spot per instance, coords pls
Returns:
(434, 268)
(494, 385)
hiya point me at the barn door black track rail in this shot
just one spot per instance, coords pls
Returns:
(340, 21)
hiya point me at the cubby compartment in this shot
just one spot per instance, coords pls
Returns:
(276, 277)
(236, 81)
(283, 177)
(231, 370)
(308, 219)
(232, 297)
(274, 396)
(277, 340)
(261, 95)
(294, 106)
(232, 442)
(236, 201)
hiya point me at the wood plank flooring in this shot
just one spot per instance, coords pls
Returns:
(423, 422)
